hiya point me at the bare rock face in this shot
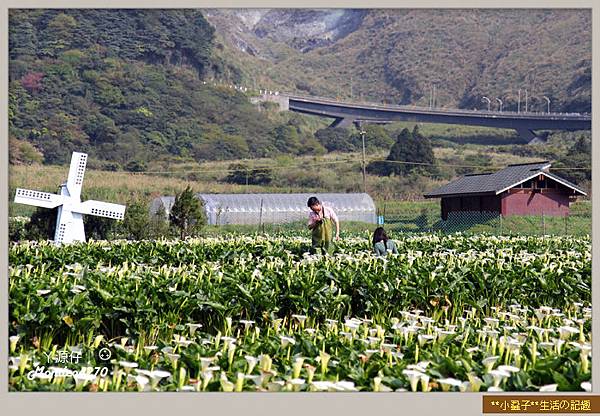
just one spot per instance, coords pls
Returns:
(300, 29)
(307, 29)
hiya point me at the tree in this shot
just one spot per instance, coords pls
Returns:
(286, 139)
(32, 81)
(376, 138)
(42, 225)
(140, 224)
(583, 146)
(137, 221)
(580, 156)
(100, 129)
(100, 228)
(136, 166)
(159, 224)
(311, 146)
(412, 148)
(241, 174)
(335, 139)
(58, 35)
(61, 27)
(22, 35)
(187, 214)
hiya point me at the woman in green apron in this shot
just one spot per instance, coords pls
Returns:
(321, 222)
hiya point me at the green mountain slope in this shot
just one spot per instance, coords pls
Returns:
(127, 87)
(133, 87)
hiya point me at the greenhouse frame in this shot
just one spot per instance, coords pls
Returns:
(223, 209)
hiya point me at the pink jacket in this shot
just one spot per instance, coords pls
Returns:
(327, 213)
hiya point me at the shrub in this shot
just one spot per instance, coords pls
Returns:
(242, 175)
(187, 214)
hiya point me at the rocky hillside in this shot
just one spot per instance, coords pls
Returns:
(398, 55)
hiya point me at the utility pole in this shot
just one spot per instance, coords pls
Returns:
(364, 158)
(351, 95)
(525, 100)
(519, 102)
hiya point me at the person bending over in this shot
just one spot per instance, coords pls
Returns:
(321, 220)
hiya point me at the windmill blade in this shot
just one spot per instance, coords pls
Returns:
(38, 199)
(76, 172)
(101, 209)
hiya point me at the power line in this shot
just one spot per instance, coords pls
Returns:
(463, 166)
(255, 167)
(332, 162)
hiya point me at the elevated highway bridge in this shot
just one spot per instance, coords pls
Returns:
(347, 113)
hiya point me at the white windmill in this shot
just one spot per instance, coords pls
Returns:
(69, 223)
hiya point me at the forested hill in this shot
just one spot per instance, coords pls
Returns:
(127, 87)
(131, 87)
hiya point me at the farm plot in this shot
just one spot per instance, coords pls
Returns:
(258, 314)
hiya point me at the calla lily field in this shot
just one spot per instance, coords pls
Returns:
(464, 313)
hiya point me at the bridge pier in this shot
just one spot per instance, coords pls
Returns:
(281, 100)
(344, 123)
(347, 122)
(531, 137)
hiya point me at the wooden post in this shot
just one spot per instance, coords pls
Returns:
(543, 224)
(260, 222)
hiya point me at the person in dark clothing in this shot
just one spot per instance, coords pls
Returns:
(382, 244)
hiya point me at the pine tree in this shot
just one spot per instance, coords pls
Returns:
(400, 151)
(187, 213)
(137, 220)
(411, 147)
(424, 153)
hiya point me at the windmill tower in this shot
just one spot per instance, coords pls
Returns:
(69, 223)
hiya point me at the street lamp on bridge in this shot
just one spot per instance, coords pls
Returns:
(488, 101)
(548, 101)
(432, 97)
(364, 159)
(500, 101)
